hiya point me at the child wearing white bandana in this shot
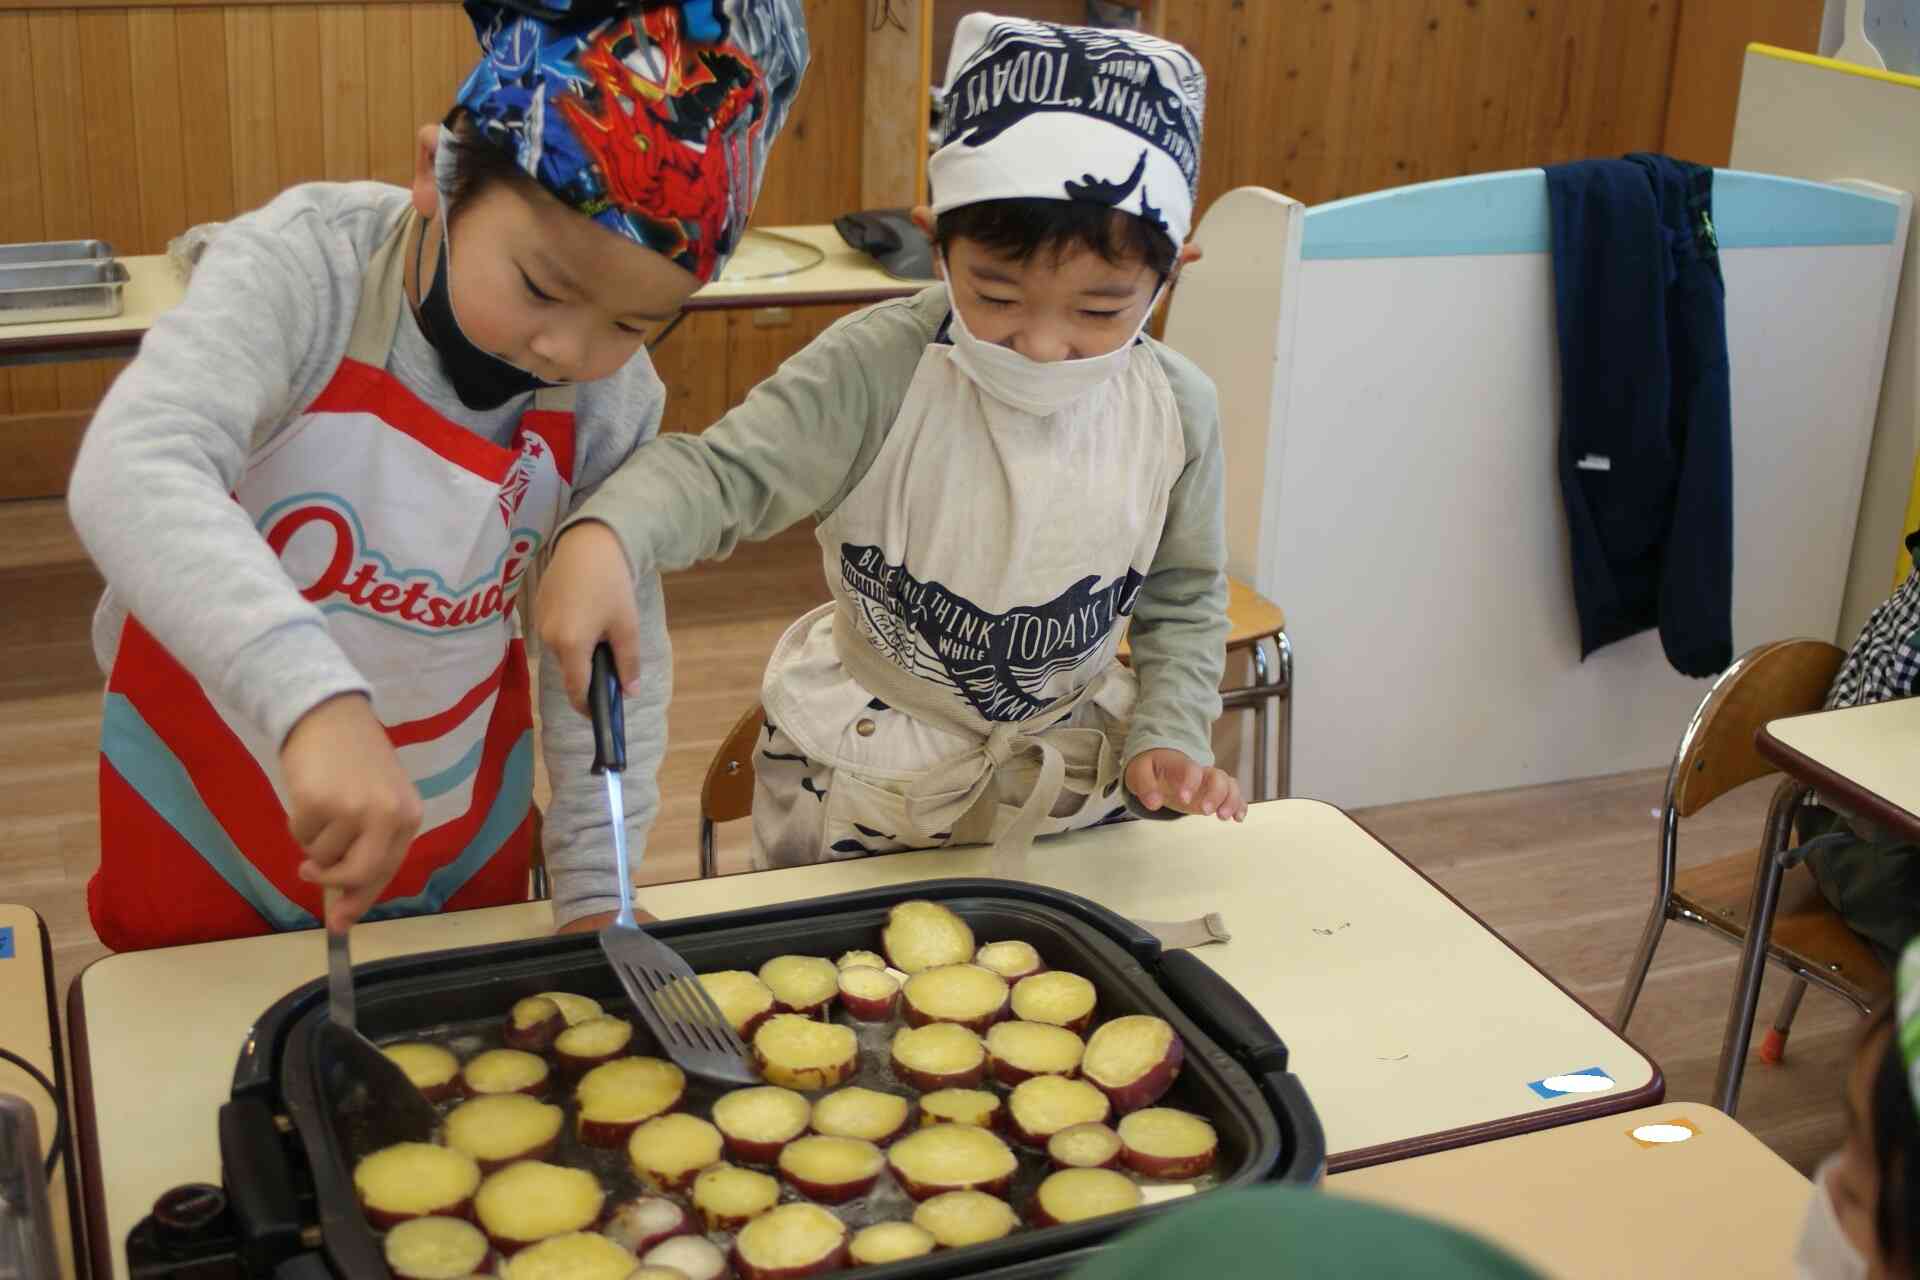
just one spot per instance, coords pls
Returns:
(1006, 473)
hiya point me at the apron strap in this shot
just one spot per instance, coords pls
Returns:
(384, 291)
(1063, 753)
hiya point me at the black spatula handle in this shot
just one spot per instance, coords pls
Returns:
(609, 714)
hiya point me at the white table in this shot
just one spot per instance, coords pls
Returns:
(1411, 1025)
(28, 1028)
(1864, 761)
(1592, 1199)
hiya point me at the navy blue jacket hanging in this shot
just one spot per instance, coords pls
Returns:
(1646, 449)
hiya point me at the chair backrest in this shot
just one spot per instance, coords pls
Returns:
(1717, 754)
(728, 791)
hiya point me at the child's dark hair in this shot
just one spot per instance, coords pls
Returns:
(1024, 227)
(1896, 1148)
(478, 164)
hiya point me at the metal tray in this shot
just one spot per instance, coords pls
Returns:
(43, 292)
(1235, 1071)
(20, 255)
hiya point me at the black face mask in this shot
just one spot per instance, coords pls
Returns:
(481, 379)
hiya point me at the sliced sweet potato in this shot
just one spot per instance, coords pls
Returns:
(865, 1114)
(923, 935)
(574, 1008)
(532, 1024)
(967, 994)
(1084, 1146)
(757, 1122)
(861, 959)
(796, 1052)
(1012, 960)
(792, 1242)
(1057, 998)
(728, 1197)
(801, 984)
(578, 1255)
(499, 1128)
(831, 1170)
(741, 998)
(941, 1055)
(643, 1222)
(1017, 1050)
(1074, 1195)
(657, 1273)
(668, 1152)
(591, 1041)
(531, 1201)
(1161, 1142)
(956, 1219)
(436, 1249)
(434, 1071)
(868, 994)
(617, 1097)
(1042, 1106)
(694, 1257)
(1134, 1060)
(415, 1180)
(977, 1107)
(505, 1071)
(952, 1157)
(890, 1242)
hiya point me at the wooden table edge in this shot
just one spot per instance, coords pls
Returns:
(106, 344)
(747, 301)
(86, 1129)
(1850, 796)
(67, 1103)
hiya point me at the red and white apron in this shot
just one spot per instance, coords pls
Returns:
(413, 536)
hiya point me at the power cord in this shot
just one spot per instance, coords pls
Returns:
(59, 1107)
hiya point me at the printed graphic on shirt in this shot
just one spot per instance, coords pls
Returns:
(1001, 663)
(1028, 67)
(324, 549)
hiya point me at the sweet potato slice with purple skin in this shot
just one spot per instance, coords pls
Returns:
(640, 1224)
(1074, 1195)
(759, 1120)
(952, 1157)
(923, 935)
(532, 1024)
(805, 985)
(1161, 1142)
(831, 1170)
(867, 959)
(668, 1152)
(868, 994)
(865, 1114)
(939, 1056)
(977, 1107)
(1057, 998)
(1134, 1060)
(578, 1255)
(1042, 1106)
(1084, 1146)
(618, 1097)
(793, 1242)
(1012, 960)
(505, 1071)
(742, 999)
(530, 1201)
(728, 1197)
(965, 994)
(574, 1008)
(435, 1072)
(890, 1242)
(436, 1249)
(500, 1128)
(795, 1052)
(1017, 1051)
(956, 1219)
(415, 1180)
(694, 1257)
(590, 1042)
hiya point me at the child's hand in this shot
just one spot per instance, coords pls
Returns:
(586, 596)
(1165, 778)
(350, 804)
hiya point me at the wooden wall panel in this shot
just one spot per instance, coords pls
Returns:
(814, 172)
(1705, 82)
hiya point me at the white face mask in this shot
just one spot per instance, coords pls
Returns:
(1030, 385)
(1824, 1251)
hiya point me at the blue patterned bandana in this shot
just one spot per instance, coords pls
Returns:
(652, 117)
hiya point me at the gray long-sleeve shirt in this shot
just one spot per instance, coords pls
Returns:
(804, 438)
(263, 326)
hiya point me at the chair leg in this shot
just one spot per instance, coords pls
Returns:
(1284, 647)
(1262, 721)
(1774, 1048)
(1753, 952)
(1656, 919)
(709, 856)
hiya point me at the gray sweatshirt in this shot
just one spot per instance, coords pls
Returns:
(804, 438)
(263, 326)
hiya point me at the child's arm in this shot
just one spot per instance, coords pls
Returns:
(792, 449)
(1179, 626)
(261, 326)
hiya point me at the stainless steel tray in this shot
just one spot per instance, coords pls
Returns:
(45, 292)
(20, 255)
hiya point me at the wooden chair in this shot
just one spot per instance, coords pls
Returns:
(1763, 900)
(727, 792)
(539, 888)
(1254, 622)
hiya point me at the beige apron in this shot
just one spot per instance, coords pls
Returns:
(962, 685)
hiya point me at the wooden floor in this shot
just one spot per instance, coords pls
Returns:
(1564, 872)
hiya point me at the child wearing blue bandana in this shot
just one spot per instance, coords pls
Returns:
(321, 490)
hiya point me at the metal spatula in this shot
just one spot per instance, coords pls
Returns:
(374, 1103)
(682, 1016)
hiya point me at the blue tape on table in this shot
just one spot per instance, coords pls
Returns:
(6, 943)
(1591, 1080)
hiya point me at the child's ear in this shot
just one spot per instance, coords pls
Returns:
(922, 216)
(426, 189)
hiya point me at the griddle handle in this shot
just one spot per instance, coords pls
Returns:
(1222, 1012)
(259, 1185)
(1305, 1161)
(609, 713)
